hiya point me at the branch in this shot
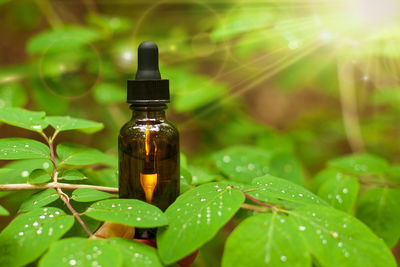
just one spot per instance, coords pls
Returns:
(378, 183)
(64, 197)
(55, 185)
(255, 201)
(258, 202)
(253, 207)
(47, 10)
(348, 101)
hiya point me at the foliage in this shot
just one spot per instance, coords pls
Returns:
(289, 225)
(265, 112)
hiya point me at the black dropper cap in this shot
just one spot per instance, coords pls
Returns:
(148, 87)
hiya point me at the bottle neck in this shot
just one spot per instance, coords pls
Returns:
(148, 112)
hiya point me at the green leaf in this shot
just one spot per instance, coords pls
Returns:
(106, 93)
(200, 175)
(185, 177)
(360, 164)
(274, 143)
(39, 176)
(4, 1)
(64, 38)
(386, 96)
(30, 120)
(192, 91)
(88, 195)
(19, 171)
(3, 211)
(339, 190)
(266, 240)
(81, 252)
(12, 95)
(110, 23)
(183, 160)
(104, 177)
(73, 175)
(80, 155)
(195, 217)
(22, 148)
(130, 212)
(30, 234)
(39, 199)
(393, 173)
(242, 21)
(335, 238)
(135, 253)
(322, 176)
(67, 123)
(280, 191)
(379, 209)
(285, 165)
(46, 99)
(77, 229)
(242, 164)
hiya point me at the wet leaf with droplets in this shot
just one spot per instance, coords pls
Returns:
(195, 217)
(130, 212)
(242, 164)
(30, 120)
(379, 209)
(360, 164)
(266, 239)
(335, 238)
(30, 234)
(39, 176)
(19, 171)
(88, 195)
(81, 252)
(135, 253)
(339, 190)
(200, 175)
(39, 199)
(22, 148)
(67, 123)
(280, 191)
(80, 155)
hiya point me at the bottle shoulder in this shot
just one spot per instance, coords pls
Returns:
(139, 127)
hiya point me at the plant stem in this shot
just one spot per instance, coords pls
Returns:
(64, 197)
(378, 183)
(47, 10)
(18, 187)
(348, 99)
(74, 213)
(53, 160)
(257, 201)
(253, 207)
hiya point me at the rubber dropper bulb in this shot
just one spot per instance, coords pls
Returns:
(148, 62)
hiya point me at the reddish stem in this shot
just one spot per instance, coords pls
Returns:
(76, 215)
(257, 201)
(53, 160)
(62, 195)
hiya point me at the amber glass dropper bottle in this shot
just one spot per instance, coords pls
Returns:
(148, 143)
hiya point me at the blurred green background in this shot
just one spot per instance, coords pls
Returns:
(312, 80)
